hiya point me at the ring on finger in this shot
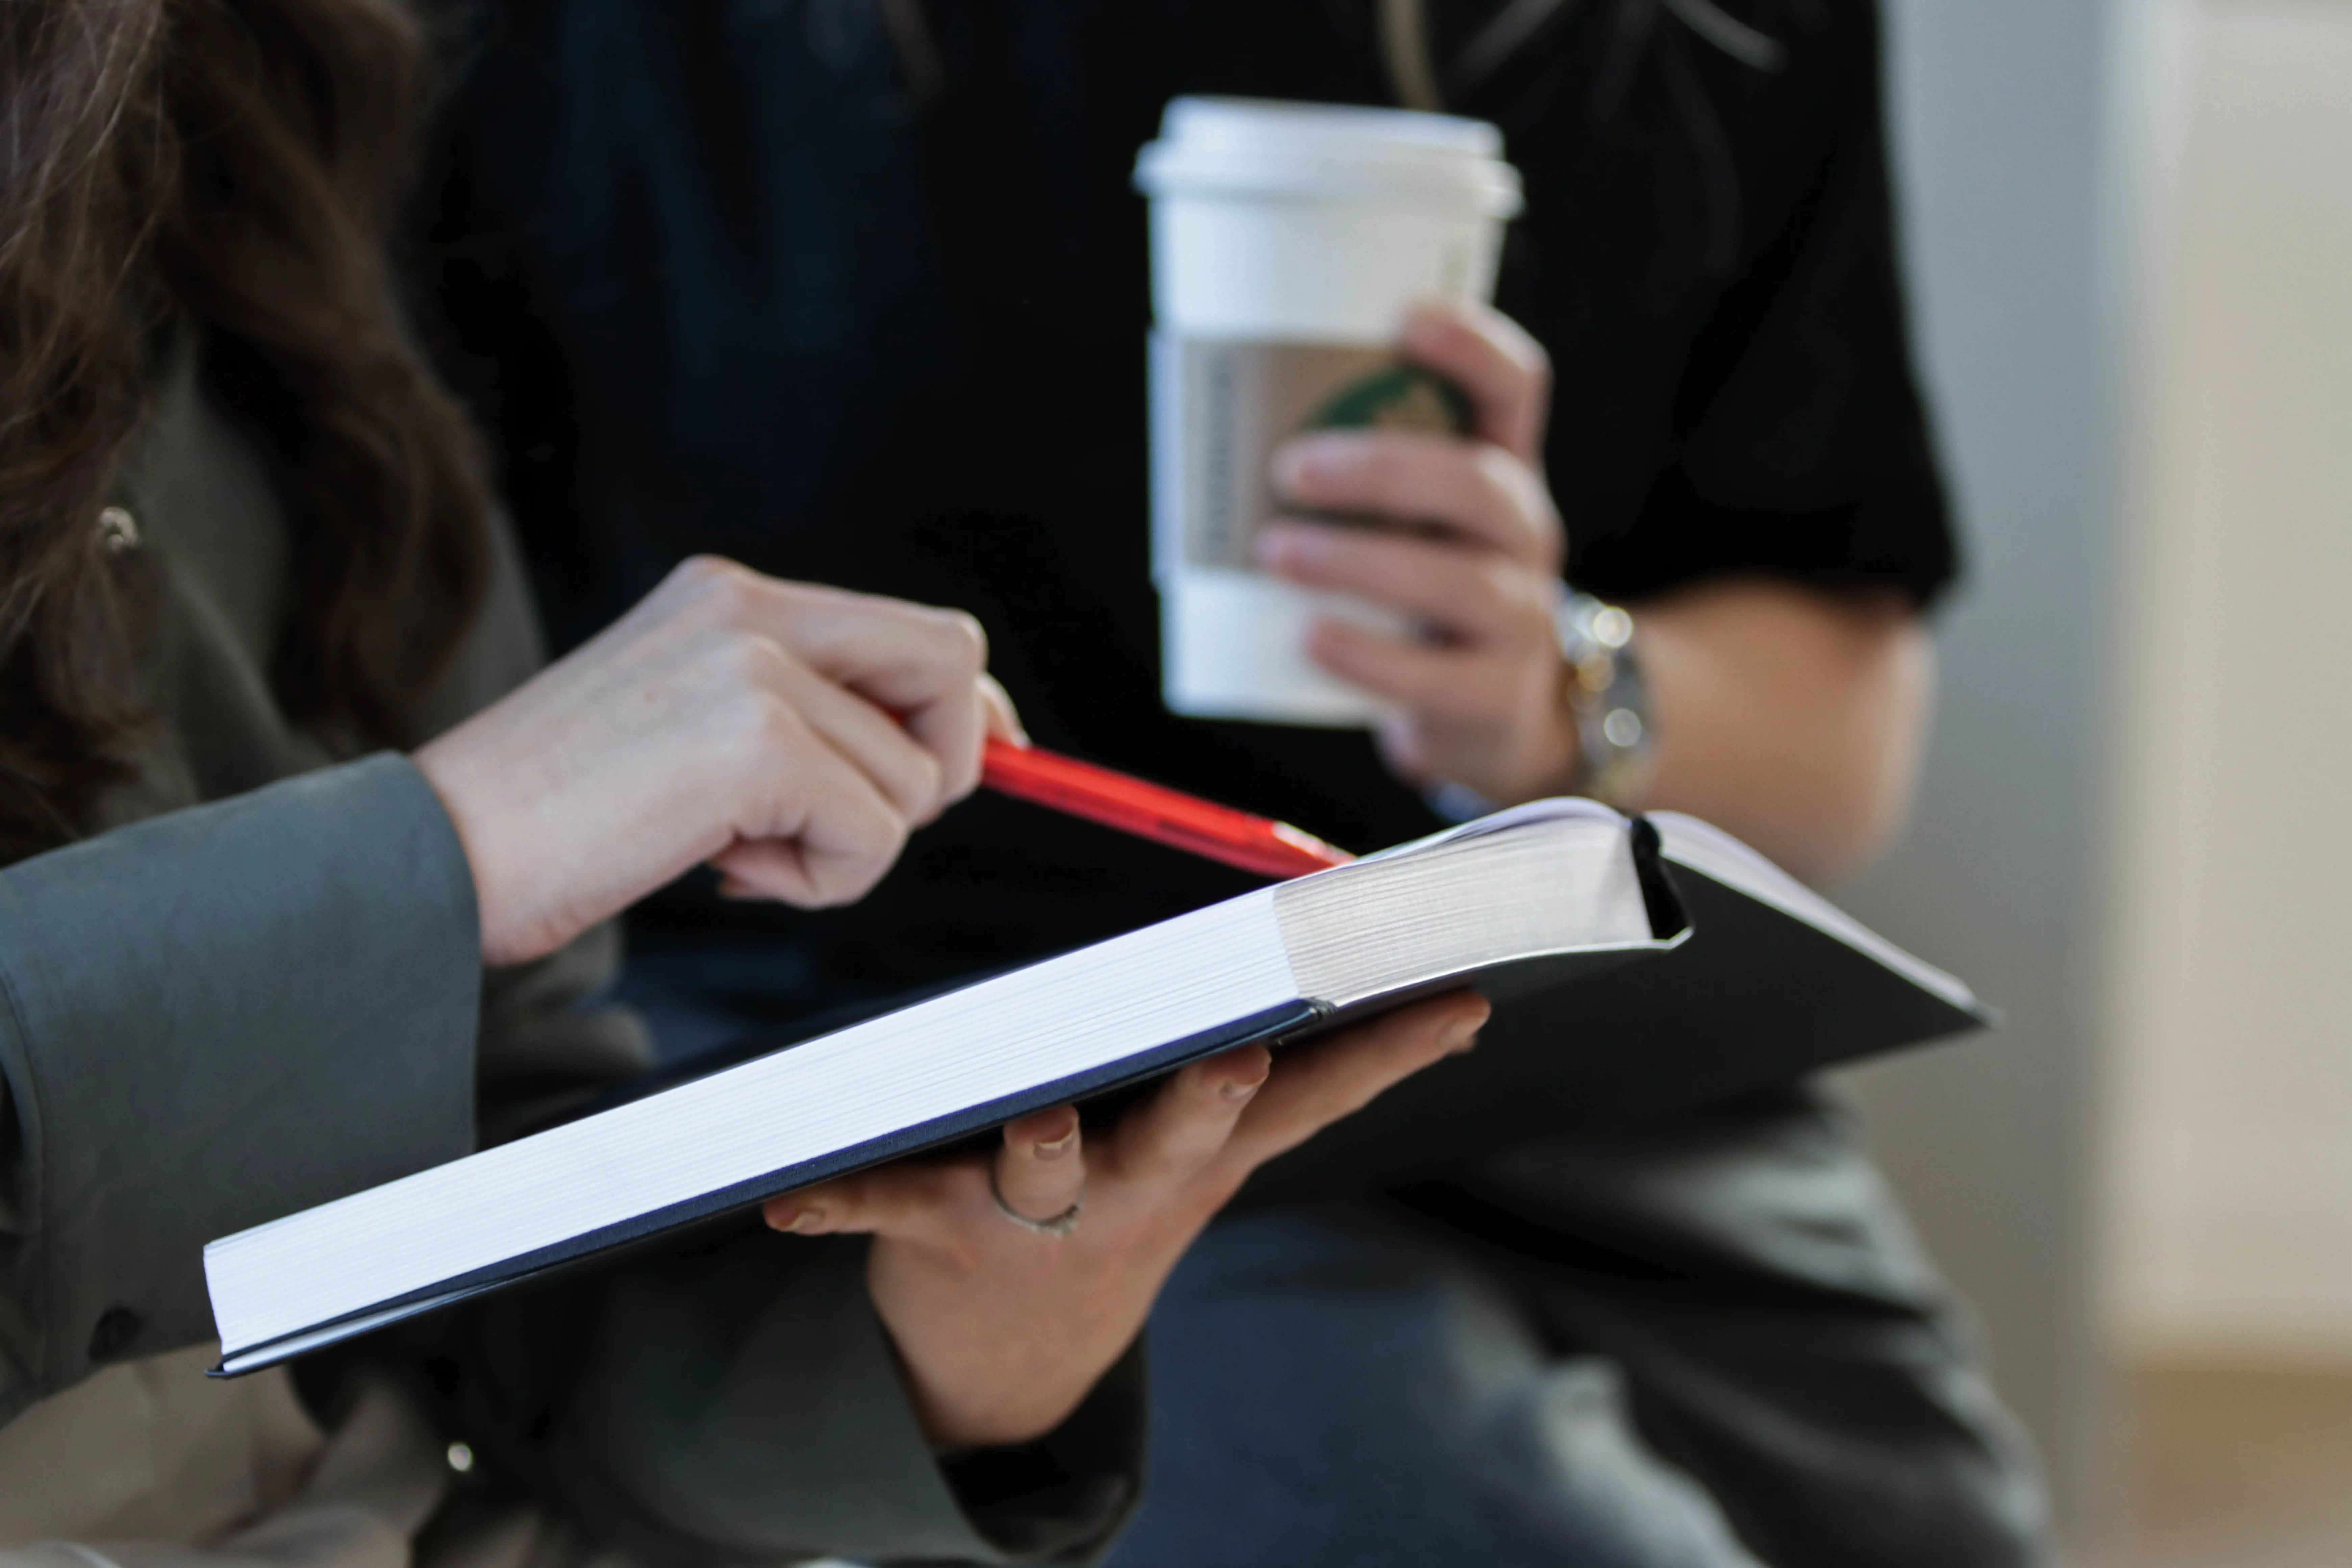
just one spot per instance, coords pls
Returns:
(1058, 1224)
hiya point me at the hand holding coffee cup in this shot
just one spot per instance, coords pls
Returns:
(1470, 567)
(1291, 244)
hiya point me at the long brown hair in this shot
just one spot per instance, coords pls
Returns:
(229, 171)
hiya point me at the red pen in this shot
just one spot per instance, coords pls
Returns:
(1152, 811)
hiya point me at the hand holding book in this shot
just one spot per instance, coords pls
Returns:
(1003, 1328)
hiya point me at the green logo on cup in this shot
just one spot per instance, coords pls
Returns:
(1395, 397)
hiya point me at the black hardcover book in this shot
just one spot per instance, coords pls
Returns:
(1770, 983)
(1636, 966)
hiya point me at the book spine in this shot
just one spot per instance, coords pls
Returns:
(1668, 918)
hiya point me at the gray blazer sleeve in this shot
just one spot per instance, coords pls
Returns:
(208, 1019)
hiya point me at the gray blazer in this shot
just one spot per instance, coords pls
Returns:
(260, 988)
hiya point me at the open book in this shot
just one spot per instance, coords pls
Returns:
(1543, 907)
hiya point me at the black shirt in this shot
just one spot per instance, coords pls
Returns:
(718, 280)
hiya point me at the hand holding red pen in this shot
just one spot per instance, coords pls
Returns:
(789, 734)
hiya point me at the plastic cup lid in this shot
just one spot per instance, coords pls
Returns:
(1263, 147)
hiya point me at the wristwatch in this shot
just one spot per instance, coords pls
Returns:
(1602, 679)
(1601, 682)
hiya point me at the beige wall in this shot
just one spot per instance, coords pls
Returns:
(2230, 1189)
(2000, 127)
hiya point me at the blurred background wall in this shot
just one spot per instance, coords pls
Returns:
(2003, 142)
(2131, 239)
(2229, 1206)
(2232, 1124)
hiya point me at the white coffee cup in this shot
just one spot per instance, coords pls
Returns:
(1288, 241)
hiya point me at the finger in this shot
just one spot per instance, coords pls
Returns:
(1506, 373)
(1474, 487)
(951, 726)
(1318, 1083)
(922, 664)
(1003, 719)
(1475, 596)
(827, 834)
(1184, 1125)
(810, 874)
(1042, 1169)
(1459, 685)
(918, 662)
(905, 772)
(902, 651)
(911, 1199)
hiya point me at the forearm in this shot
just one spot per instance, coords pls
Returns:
(1791, 717)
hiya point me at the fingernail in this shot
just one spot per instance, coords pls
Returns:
(1059, 1147)
(804, 1221)
(1295, 464)
(1241, 1092)
(1312, 460)
(1463, 1038)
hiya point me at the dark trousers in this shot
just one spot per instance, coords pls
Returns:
(1704, 1344)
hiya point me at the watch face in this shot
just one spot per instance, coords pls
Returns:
(1604, 688)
